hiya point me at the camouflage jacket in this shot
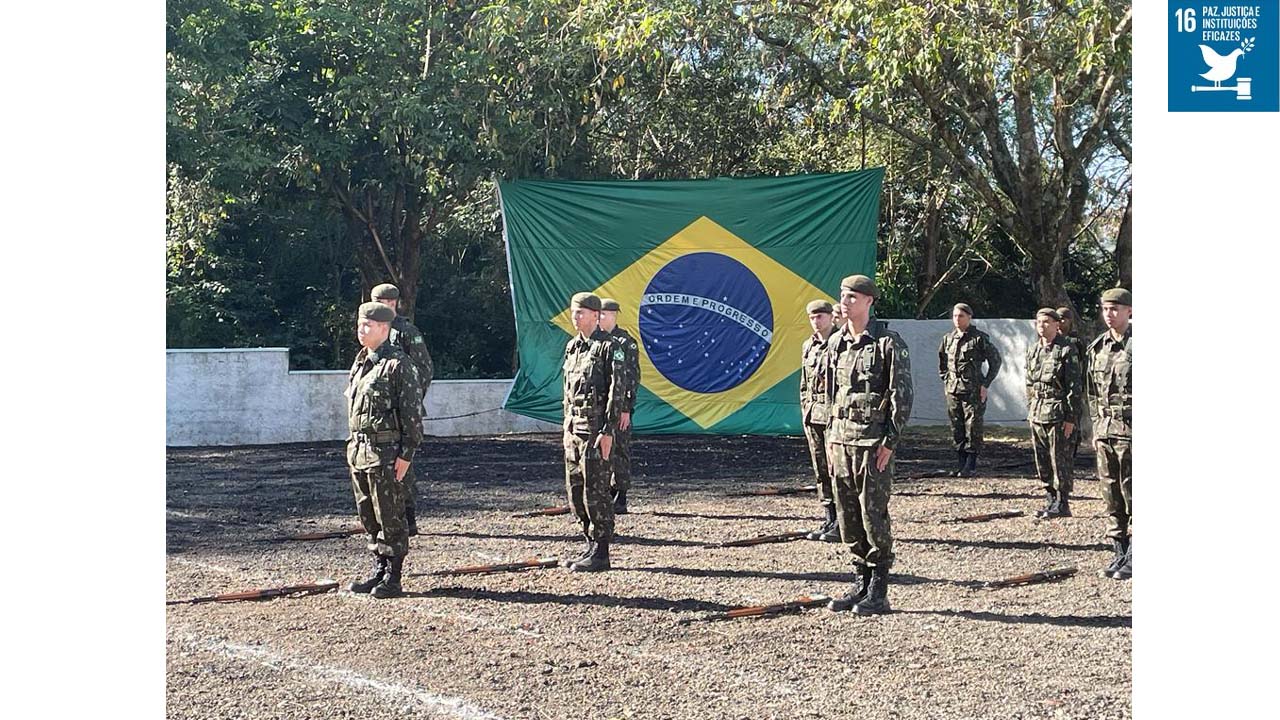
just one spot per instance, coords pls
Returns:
(631, 386)
(1054, 393)
(595, 375)
(1078, 345)
(960, 358)
(384, 408)
(1109, 384)
(869, 391)
(409, 338)
(813, 387)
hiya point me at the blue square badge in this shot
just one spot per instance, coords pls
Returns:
(1224, 57)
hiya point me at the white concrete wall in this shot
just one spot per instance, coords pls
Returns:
(249, 396)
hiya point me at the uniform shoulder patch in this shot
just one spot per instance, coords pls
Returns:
(619, 355)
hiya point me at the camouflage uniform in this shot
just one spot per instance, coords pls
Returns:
(1078, 345)
(594, 395)
(620, 456)
(1109, 389)
(814, 412)
(1054, 397)
(406, 336)
(870, 395)
(960, 359)
(384, 415)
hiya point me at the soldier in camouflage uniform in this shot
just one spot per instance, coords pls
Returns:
(814, 412)
(838, 318)
(409, 339)
(1054, 403)
(1109, 389)
(961, 355)
(384, 415)
(594, 389)
(869, 392)
(1068, 331)
(620, 464)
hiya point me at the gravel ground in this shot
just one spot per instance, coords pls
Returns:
(551, 644)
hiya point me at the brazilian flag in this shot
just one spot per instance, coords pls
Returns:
(712, 276)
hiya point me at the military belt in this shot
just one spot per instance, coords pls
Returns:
(376, 438)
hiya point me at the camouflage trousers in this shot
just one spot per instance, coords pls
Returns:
(1115, 470)
(817, 437)
(380, 503)
(587, 482)
(410, 483)
(965, 413)
(862, 504)
(620, 461)
(1053, 457)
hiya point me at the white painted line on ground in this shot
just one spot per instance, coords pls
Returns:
(455, 707)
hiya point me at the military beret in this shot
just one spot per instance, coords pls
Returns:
(964, 307)
(1066, 313)
(587, 300)
(377, 312)
(818, 306)
(860, 284)
(385, 291)
(1049, 312)
(1120, 296)
(609, 304)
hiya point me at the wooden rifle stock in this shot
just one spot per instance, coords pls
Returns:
(1036, 577)
(804, 601)
(500, 567)
(553, 510)
(985, 517)
(761, 540)
(762, 492)
(260, 594)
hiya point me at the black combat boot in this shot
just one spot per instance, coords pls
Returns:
(390, 585)
(827, 524)
(962, 459)
(1061, 507)
(970, 465)
(586, 552)
(595, 562)
(1118, 547)
(1049, 498)
(619, 502)
(380, 570)
(410, 519)
(876, 600)
(1125, 570)
(857, 591)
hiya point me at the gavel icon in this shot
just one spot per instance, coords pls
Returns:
(1243, 88)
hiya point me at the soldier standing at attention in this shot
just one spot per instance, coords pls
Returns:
(408, 338)
(870, 396)
(384, 415)
(838, 318)
(594, 389)
(1068, 331)
(814, 412)
(1054, 402)
(960, 358)
(620, 464)
(1109, 389)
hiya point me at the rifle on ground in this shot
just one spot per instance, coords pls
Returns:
(500, 567)
(325, 535)
(985, 517)
(761, 540)
(804, 601)
(553, 510)
(1029, 578)
(261, 594)
(770, 491)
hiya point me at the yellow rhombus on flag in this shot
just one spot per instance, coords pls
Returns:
(725, 378)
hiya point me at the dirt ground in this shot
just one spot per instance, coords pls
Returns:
(553, 644)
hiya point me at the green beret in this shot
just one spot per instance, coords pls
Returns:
(586, 300)
(377, 312)
(818, 306)
(385, 291)
(610, 304)
(963, 307)
(1066, 313)
(860, 284)
(1049, 312)
(1119, 296)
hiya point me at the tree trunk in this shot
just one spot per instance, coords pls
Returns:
(1048, 279)
(1124, 245)
(932, 234)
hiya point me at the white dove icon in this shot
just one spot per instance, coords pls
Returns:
(1221, 67)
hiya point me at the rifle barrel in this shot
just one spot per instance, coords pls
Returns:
(1036, 577)
(500, 567)
(761, 540)
(985, 517)
(259, 594)
(804, 601)
(553, 510)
